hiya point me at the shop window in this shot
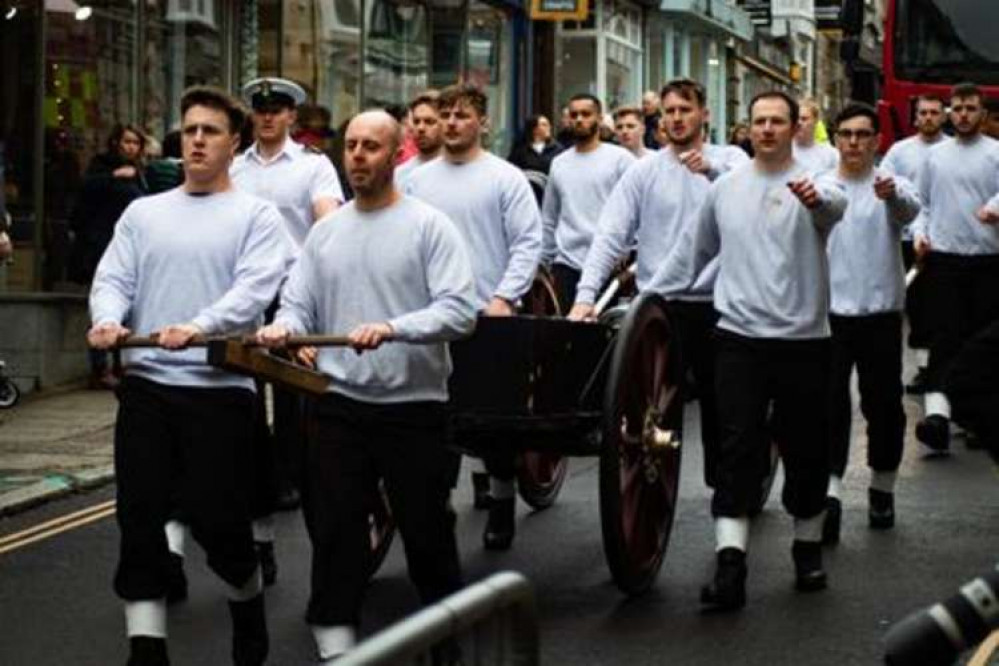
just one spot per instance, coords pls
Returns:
(576, 67)
(18, 125)
(490, 40)
(396, 59)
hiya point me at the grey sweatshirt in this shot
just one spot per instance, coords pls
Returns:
(494, 209)
(865, 257)
(215, 261)
(773, 275)
(406, 265)
(817, 157)
(578, 186)
(906, 158)
(958, 179)
(652, 203)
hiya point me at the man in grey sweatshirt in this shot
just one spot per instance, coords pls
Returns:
(868, 293)
(387, 268)
(767, 222)
(961, 238)
(497, 215)
(202, 259)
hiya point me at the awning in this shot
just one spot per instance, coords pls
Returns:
(765, 69)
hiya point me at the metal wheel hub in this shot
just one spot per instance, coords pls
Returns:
(648, 447)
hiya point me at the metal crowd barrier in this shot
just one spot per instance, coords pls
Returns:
(491, 623)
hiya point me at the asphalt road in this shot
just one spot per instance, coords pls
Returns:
(57, 607)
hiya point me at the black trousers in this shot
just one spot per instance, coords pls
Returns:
(964, 301)
(566, 280)
(872, 344)
(916, 297)
(355, 445)
(767, 389)
(696, 324)
(972, 385)
(186, 449)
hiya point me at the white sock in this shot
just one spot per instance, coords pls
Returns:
(835, 487)
(500, 489)
(263, 529)
(146, 618)
(731, 533)
(333, 641)
(478, 466)
(809, 529)
(883, 481)
(250, 589)
(176, 534)
(937, 405)
(922, 357)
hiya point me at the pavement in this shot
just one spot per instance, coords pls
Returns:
(53, 444)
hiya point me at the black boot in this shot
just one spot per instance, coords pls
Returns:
(268, 565)
(249, 632)
(500, 527)
(832, 521)
(880, 509)
(809, 576)
(176, 580)
(480, 488)
(934, 432)
(727, 591)
(147, 651)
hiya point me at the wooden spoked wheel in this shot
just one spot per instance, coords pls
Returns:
(540, 475)
(641, 449)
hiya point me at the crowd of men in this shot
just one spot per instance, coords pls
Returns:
(783, 272)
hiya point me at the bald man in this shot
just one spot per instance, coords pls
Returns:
(384, 416)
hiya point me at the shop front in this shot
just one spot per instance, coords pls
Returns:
(70, 71)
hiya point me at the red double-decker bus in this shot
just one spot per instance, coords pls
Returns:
(930, 45)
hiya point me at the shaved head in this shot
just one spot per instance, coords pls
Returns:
(380, 122)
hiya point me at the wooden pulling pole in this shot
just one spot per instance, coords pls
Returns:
(247, 341)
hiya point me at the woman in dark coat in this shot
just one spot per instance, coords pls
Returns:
(113, 180)
(535, 149)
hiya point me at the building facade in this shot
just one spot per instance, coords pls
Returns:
(70, 71)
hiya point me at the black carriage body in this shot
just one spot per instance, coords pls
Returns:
(529, 382)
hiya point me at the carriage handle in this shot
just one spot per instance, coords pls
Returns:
(294, 341)
(615, 286)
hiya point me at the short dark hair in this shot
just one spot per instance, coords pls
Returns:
(931, 97)
(858, 110)
(587, 97)
(688, 89)
(629, 111)
(464, 93)
(429, 98)
(218, 99)
(966, 90)
(792, 103)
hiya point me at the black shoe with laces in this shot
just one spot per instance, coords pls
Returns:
(268, 565)
(880, 509)
(250, 643)
(809, 576)
(831, 523)
(147, 651)
(176, 580)
(727, 590)
(500, 527)
(934, 432)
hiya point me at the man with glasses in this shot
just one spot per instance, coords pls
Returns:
(905, 158)
(960, 234)
(868, 292)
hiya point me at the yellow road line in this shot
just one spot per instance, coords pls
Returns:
(56, 526)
